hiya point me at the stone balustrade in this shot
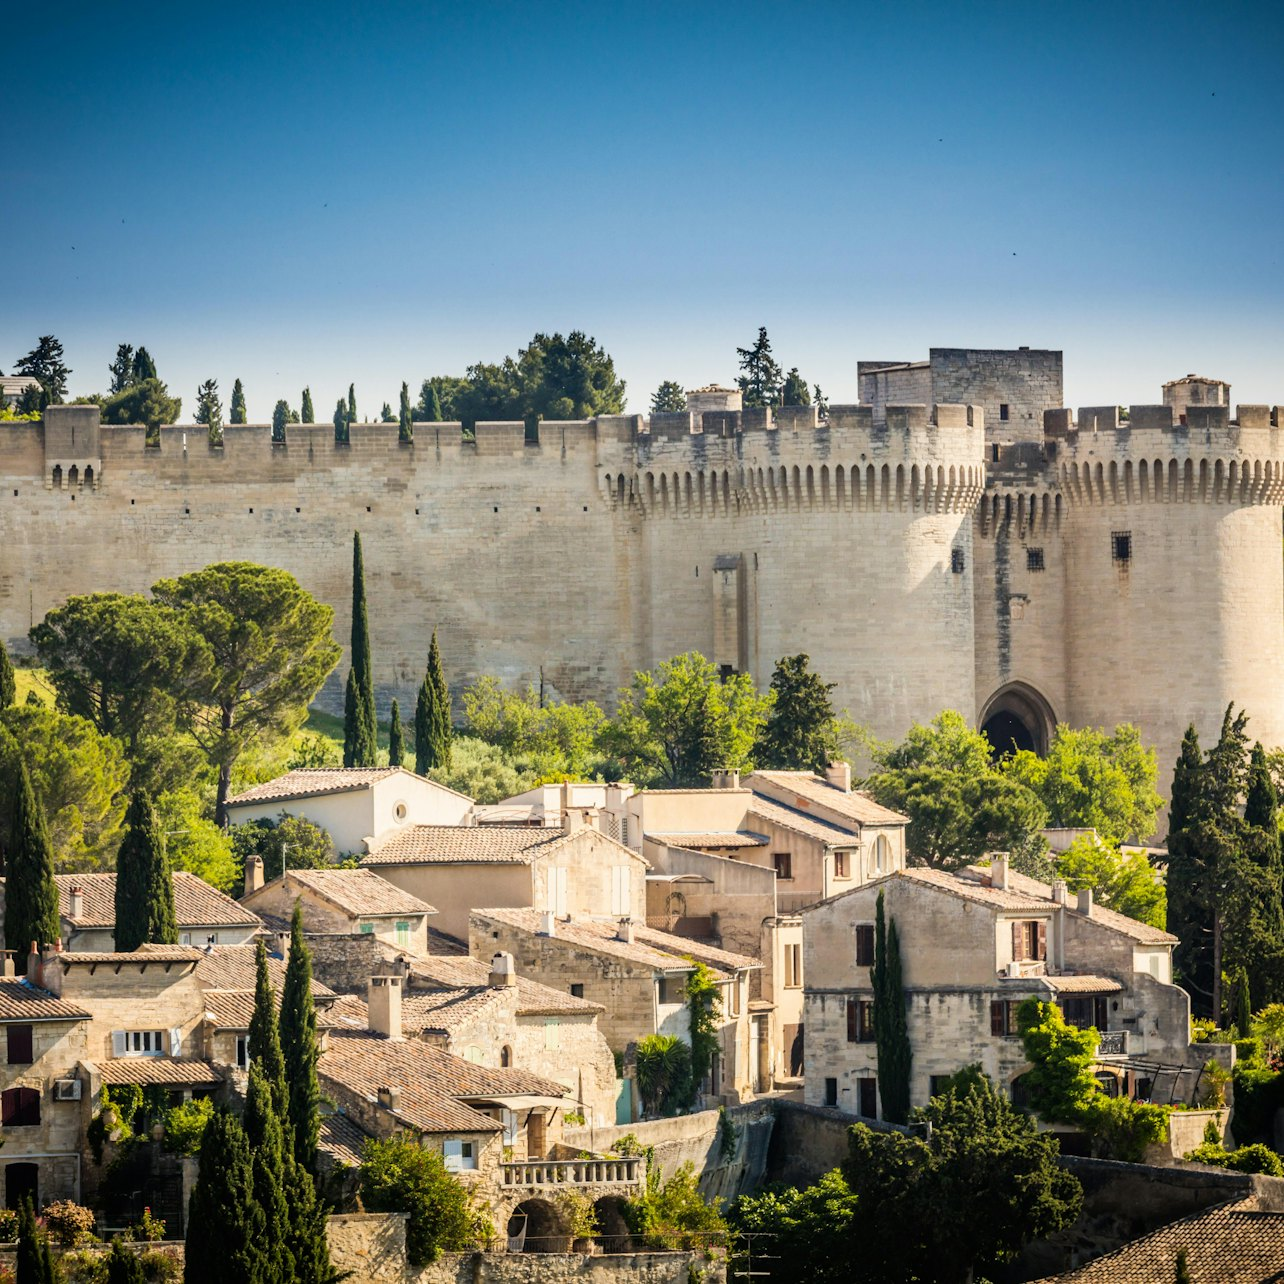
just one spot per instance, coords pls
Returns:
(538, 1173)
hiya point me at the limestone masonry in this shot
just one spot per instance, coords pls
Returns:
(985, 550)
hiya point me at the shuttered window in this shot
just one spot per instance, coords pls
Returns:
(865, 945)
(20, 1045)
(20, 1107)
(1030, 939)
(1003, 1017)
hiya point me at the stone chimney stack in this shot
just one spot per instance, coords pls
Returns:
(76, 906)
(999, 872)
(1059, 891)
(725, 780)
(10, 968)
(548, 923)
(385, 1006)
(574, 820)
(389, 1098)
(1085, 902)
(624, 930)
(502, 971)
(839, 774)
(253, 874)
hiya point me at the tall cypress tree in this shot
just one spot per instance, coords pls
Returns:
(307, 1240)
(144, 885)
(1186, 875)
(124, 1266)
(341, 434)
(352, 403)
(298, 1026)
(31, 899)
(8, 682)
(891, 1033)
(433, 732)
(237, 413)
(404, 431)
(396, 738)
(360, 745)
(225, 1224)
(434, 406)
(307, 413)
(265, 1039)
(268, 1161)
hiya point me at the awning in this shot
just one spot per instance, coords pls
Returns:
(522, 1102)
(1082, 984)
(678, 878)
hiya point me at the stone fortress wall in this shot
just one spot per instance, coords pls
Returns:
(924, 556)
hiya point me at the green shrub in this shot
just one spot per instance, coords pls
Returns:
(1259, 1092)
(1122, 1128)
(69, 1223)
(1247, 1159)
(674, 1215)
(185, 1125)
(8, 1226)
(160, 1266)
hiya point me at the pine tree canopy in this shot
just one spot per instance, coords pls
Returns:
(144, 885)
(761, 377)
(794, 392)
(799, 734)
(44, 363)
(122, 368)
(668, 398)
(209, 407)
(31, 899)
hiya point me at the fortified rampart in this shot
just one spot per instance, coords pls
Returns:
(1117, 568)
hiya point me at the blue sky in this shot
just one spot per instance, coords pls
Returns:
(315, 195)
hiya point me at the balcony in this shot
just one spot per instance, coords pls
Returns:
(537, 1174)
(1114, 1043)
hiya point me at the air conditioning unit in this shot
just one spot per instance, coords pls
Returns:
(1014, 969)
(66, 1089)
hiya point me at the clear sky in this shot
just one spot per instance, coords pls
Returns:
(320, 194)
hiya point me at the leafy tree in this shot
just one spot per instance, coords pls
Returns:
(225, 1223)
(673, 1214)
(385, 415)
(682, 722)
(405, 432)
(891, 1033)
(1060, 1079)
(44, 363)
(195, 843)
(8, 682)
(271, 647)
(795, 391)
(400, 1176)
(1091, 780)
(268, 1161)
(482, 771)
(144, 884)
(760, 378)
(549, 737)
(307, 413)
(1181, 1270)
(78, 778)
(31, 900)
(960, 806)
(1128, 884)
(352, 403)
(280, 417)
(122, 368)
(664, 1074)
(144, 366)
(124, 1266)
(145, 401)
(822, 403)
(668, 398)
(264, 1035)
(341, 433)
(238, 414)
(438, 399)
(298, 1027)
(396, 738)
(360, 729)
(293, 841)
(800, 733)
(433, 732)
(798, 1236)
(209, 410)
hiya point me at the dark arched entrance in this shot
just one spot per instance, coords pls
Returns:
(612, 1230)
(21, 1181)
(536, 1226)
(1017, 717)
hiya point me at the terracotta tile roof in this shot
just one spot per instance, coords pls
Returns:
(1142, 933)
(432, 1082)
(763, 808)
(231, 967)
(196, 903)
(1082, 984)
(157, 1070)
(308, 782)
(436, 1011)
(359, 892)
(341, 1141)
(22, 1001)
(977, 889)
(724, 839)
(460, 972)
(711, 956)
(1235, 1243)
(809, 788)
(144, 954)
(465, 844)
(232, 1010)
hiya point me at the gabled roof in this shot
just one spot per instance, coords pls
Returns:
(1142, 933)
(340, 1140)
(810, 788)
(723, 839)
(477, 844)
(146, 1071)
(460, 972)
(196, 903)
(311, 782)
(360, 893)
(436, 1011)
(232, 967)
(21, 1001)
(233, 1010)
(832, 835)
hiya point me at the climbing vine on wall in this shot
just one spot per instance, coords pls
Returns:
(705, 1007)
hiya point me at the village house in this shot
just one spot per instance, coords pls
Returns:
(545, 806)
(356, 806)
(339, 902)
(974, 945)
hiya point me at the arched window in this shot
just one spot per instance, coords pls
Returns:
(505, 1057)
(882, 856)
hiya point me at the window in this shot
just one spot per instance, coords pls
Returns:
(784, 863)
(509, 1119)
(865, 945)
(505, 1057)
(867, 1097)
(555, 892)
(860, 1020)
(882, 855)
(840, 865)
(1121, 546)
(793, 967)
(1034, 559)
(1030, 939)
(831, 1092)
(399, 812)
(1003, 411)
(403, 933)
(459, 1154)
(138, 1043)
(957, 563)
(1003, 1017)
(552, 1034)
(938, 1084)
(621, 890)
(20, 1107)
(20, 1049)
(367, 929)
(577, 990)
(242, 1051)
(1084, 1010)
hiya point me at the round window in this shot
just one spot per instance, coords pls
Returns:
(399, 811)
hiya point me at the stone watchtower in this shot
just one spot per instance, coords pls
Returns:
(73, 457)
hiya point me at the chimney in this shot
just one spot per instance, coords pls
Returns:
(624, 930)
(726, 780)
(385, 1006)
(548, 923)
(1059, 891)
(390, 1098)
(253, 874)
(574, 819)
(999, 872)
(34, 964)
(77, 903)
(1085, 902)
(502, 971)
(839, 774)
(10, 968)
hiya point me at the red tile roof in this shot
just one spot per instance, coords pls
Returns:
(308, 782)
(360, 893)
(812, 789)
(466, 844)
(158, 1070)
(196, 903)
(24, 1002)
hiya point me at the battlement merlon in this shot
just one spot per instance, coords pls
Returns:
(1111, 428)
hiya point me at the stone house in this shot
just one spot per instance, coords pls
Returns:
(339, 901)
(87, 912)
(547, 806)
(574, 869)
(354, 805)
(974, 945)
(639, 976)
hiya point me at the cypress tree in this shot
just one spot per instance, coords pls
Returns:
(8, 682)
(124, 1266)
(396, 739)
(1261, 806)
(307, 413)
(433, 731)
(307, 1241)
(1181, 1274)
(434, 406)
(225, 1224)
(352, 403)
(280, 417)
(265, 1039)
(404, 432)
(360, 745)
(1185, 881)
(341, 422)
(298, 1026)
(31, 1249)
(31, 900)
(237, 414)
(144, 885)
(891, 1034)
(268, 1159)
